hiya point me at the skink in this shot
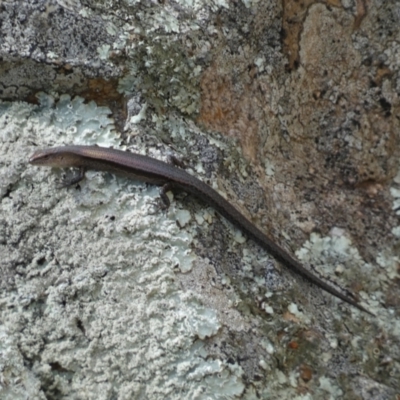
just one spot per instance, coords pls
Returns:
(171, 177)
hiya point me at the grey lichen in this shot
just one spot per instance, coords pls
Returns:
(110, 289)
(92, 282)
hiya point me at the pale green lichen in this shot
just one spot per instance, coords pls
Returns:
(269, 168)
(396, 231)
(334, 252)
(140, 116)
(76, 122)
(96, 250)
(396, 202)
(103, 51)
(390, 264)
(339, 247)
(250, 3)
(332, 390)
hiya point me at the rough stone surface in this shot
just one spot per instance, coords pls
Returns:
(290, 109)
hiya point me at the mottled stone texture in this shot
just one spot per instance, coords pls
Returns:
(292, 109)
